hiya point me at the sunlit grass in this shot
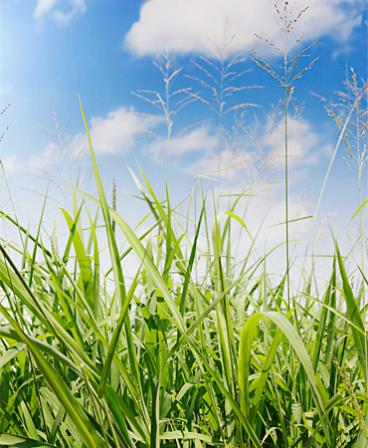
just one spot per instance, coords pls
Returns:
(197, 349)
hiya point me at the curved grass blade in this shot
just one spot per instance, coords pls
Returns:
(249, 333)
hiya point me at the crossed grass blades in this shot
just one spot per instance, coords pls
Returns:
(197, 348)
(193, 351)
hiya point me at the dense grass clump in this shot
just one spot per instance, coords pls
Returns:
(197, 349)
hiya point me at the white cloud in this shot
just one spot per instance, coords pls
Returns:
(305, 146)
(61, 11)
(44, 6)
(194, 141)
(117, 133)
(201, 144)
(342, 51)
(185, 26)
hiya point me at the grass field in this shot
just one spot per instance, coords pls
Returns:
(198, 349)
(175, 332)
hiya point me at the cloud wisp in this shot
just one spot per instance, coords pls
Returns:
(60, 11)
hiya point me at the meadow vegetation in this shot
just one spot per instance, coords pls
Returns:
(199, 347)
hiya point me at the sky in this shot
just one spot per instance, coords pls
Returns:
(114, 55)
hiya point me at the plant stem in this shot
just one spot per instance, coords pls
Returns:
(286, 180)
(288, 88)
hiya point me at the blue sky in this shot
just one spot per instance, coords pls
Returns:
(52, 50)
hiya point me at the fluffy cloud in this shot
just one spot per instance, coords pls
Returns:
(197, 140)
(61, 11)
(185, 26)
(116, 133)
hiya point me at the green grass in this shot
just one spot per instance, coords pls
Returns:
(198, 349)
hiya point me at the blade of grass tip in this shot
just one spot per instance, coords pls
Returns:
(113, 249)
(291, 221)
(170, 253)
(228, 220)
(129, 250)
(93, 241)
(359, 209)
(332, 160)
(38, 233)
(72, 225)
(81, 255)
(25, 231)
(158, 212)
(240, 221)
(155, 199)
(190, 263)
(144, 194)
(140, 251)
(11, 277)
(24, 249)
